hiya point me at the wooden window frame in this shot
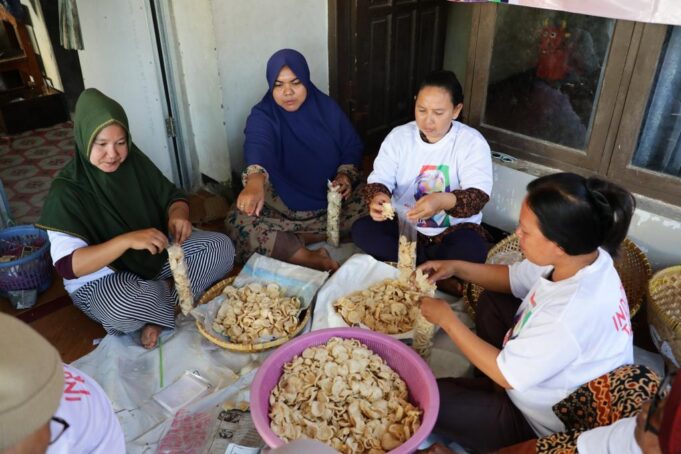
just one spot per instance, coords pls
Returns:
(630, 69)
(651, 183)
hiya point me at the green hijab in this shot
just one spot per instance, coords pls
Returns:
(97, 206)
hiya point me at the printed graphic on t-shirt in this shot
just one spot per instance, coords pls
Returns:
(74, 387)
(520, 320)
(621, 318)
(432, 179)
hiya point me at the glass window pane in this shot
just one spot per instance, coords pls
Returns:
(659, 144)
(546, 73)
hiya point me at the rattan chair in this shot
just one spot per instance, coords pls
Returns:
(631, 264)
(664, 313)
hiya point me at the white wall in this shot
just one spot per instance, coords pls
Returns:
(120, 59)
(658, 236)
(195, 64)
(247, 34)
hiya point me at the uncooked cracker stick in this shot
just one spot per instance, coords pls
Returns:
(388, 211)
(333, 211)
(179, 268)
(423, 335)
(406, 258)
(422, 284)
(423, 329)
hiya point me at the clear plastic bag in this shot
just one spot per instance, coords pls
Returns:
(406, 252)
(296, 280)
(189, 433)
(185, 390)
(333, 212)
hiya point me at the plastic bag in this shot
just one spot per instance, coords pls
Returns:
(296, 280)
(185, 390)
(406, 250)
(333, 212)
(189, 433)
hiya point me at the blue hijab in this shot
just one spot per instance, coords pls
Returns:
(300, 150)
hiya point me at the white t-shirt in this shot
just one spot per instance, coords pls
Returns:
(617, 438)
(63, 244)
(566, 334)
(93, 426)
(411, 168)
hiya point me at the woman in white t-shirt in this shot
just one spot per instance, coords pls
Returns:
(437, 173)
(571, 327)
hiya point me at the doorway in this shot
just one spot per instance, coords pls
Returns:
(379, 50)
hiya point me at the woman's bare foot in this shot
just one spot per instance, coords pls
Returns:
(318, 259)
(149, 336)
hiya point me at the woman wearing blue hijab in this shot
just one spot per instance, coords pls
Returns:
(297, 139)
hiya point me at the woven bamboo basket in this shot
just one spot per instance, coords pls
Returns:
(664, 310)
(632, 265)
(213, 292)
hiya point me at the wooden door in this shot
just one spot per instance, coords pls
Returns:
(382, 49)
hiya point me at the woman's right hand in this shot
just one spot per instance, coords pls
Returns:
(376, 206)
(438, 269)
(252, 198)
(153, 240)
(435, 310)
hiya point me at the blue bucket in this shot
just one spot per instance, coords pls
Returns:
(30, 271)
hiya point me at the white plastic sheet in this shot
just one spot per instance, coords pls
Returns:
(294, 279)
(360, 272)
(130, 376)
(297, 280)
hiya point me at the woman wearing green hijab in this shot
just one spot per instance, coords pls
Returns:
(109, 214)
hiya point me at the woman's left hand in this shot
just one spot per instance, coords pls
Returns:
(435, 310)
(179, 226)
(429, 205)
(180, 229)
(344, 185)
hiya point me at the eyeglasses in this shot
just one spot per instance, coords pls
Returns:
(61, 428)
(661, 394)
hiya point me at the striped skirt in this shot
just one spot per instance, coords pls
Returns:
(124, 302)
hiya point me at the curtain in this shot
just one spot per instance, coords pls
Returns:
(659, 146)
(69, 25)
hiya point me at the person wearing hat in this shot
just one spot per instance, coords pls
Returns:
(47, 406)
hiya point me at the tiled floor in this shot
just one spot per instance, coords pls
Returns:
(28, 163)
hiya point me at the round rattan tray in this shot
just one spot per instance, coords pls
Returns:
(632, 265)
(664, 312)
(214, 291)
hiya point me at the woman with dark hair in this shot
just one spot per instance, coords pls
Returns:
(297, 139)
(571, 327)
(436, 169)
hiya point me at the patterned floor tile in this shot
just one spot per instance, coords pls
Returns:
(28, 164)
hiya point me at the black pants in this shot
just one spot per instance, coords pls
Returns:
(475, 412)
(380, 240)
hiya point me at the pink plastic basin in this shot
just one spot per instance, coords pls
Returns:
(409, 366)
